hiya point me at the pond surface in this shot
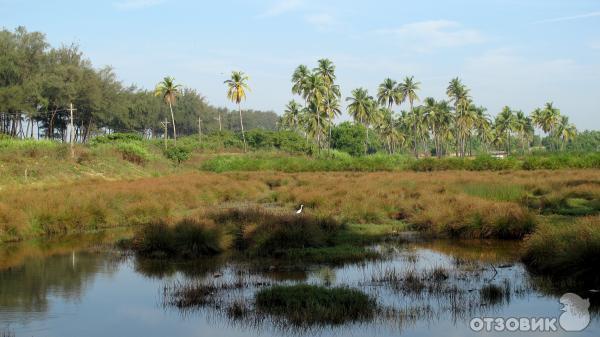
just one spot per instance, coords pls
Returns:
(79, 287)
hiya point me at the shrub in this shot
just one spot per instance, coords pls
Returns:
(309, 304)
(178, 154)
(117, 137)
(349, 138)
(133, 153)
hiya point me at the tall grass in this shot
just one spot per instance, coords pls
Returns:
(188, 238)
(436, 202)
(567, 251)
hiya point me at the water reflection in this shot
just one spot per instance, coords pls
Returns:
(79, 286)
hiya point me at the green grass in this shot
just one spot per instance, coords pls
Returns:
(491, 191)
(314, 305)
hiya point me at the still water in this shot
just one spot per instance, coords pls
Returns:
(79, 286)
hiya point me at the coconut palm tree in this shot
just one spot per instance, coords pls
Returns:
(408, 91)
(315, 90)
(482, 126)
(443, 124)
(566, 131)
(331, 108)
(386, 127)
(168, 90)
(522, 125)
(236, 92)
(505, 124)
(361, 108)
(299, 79)
(291, 116)
(550, 119)
(326, 69)
(387, 93)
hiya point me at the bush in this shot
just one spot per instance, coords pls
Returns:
(178, 153)
(349, 138)
(117, 137)
(309, 304)
(189, 238)
(133, 153)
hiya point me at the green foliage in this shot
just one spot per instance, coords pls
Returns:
(309, 304)
(116, 138)
(498, 192)
(178, 153)
(349, 138)
(134, 153)
(287, 141)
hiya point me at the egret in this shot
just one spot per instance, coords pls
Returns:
(300, 210)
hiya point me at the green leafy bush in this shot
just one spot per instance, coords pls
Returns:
(178, 153)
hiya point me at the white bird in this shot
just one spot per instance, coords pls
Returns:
(300, 210)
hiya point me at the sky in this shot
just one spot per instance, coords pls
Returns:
(520, 53)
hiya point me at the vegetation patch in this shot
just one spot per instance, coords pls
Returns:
(188, 238)
(571, 251)
(315, 305)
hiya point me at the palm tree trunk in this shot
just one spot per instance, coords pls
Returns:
(173, 121)
(414, 129)
(242, 126)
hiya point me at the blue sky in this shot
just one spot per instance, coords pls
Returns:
(520, 53)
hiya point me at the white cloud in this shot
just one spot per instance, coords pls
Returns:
(136, 4)
(321, 20)
(595, 45)
(281, 7)
(570, 18)
(425, 36)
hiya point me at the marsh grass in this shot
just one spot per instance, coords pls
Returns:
(309, 304)
(188, 238)
(566, 251)
(494, 191)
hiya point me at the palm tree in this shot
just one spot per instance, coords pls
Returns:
(361, 108)
(331, 108)
(522, 126)
(326, 70)
(408, 91)
(168, 90)
(299, 79)
(566, 131)
(291, 116)
(387, 93)
(385, 126)
(482, 126)
(315, 90)
(504, 124)
(550, 119)
(236, 92)
(444, 124)
(459, 95)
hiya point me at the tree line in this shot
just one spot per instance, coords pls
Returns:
(454, 124)
(38, 83)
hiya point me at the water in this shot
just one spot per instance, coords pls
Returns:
(79, 287)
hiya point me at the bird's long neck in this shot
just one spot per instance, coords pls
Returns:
(301, 206)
